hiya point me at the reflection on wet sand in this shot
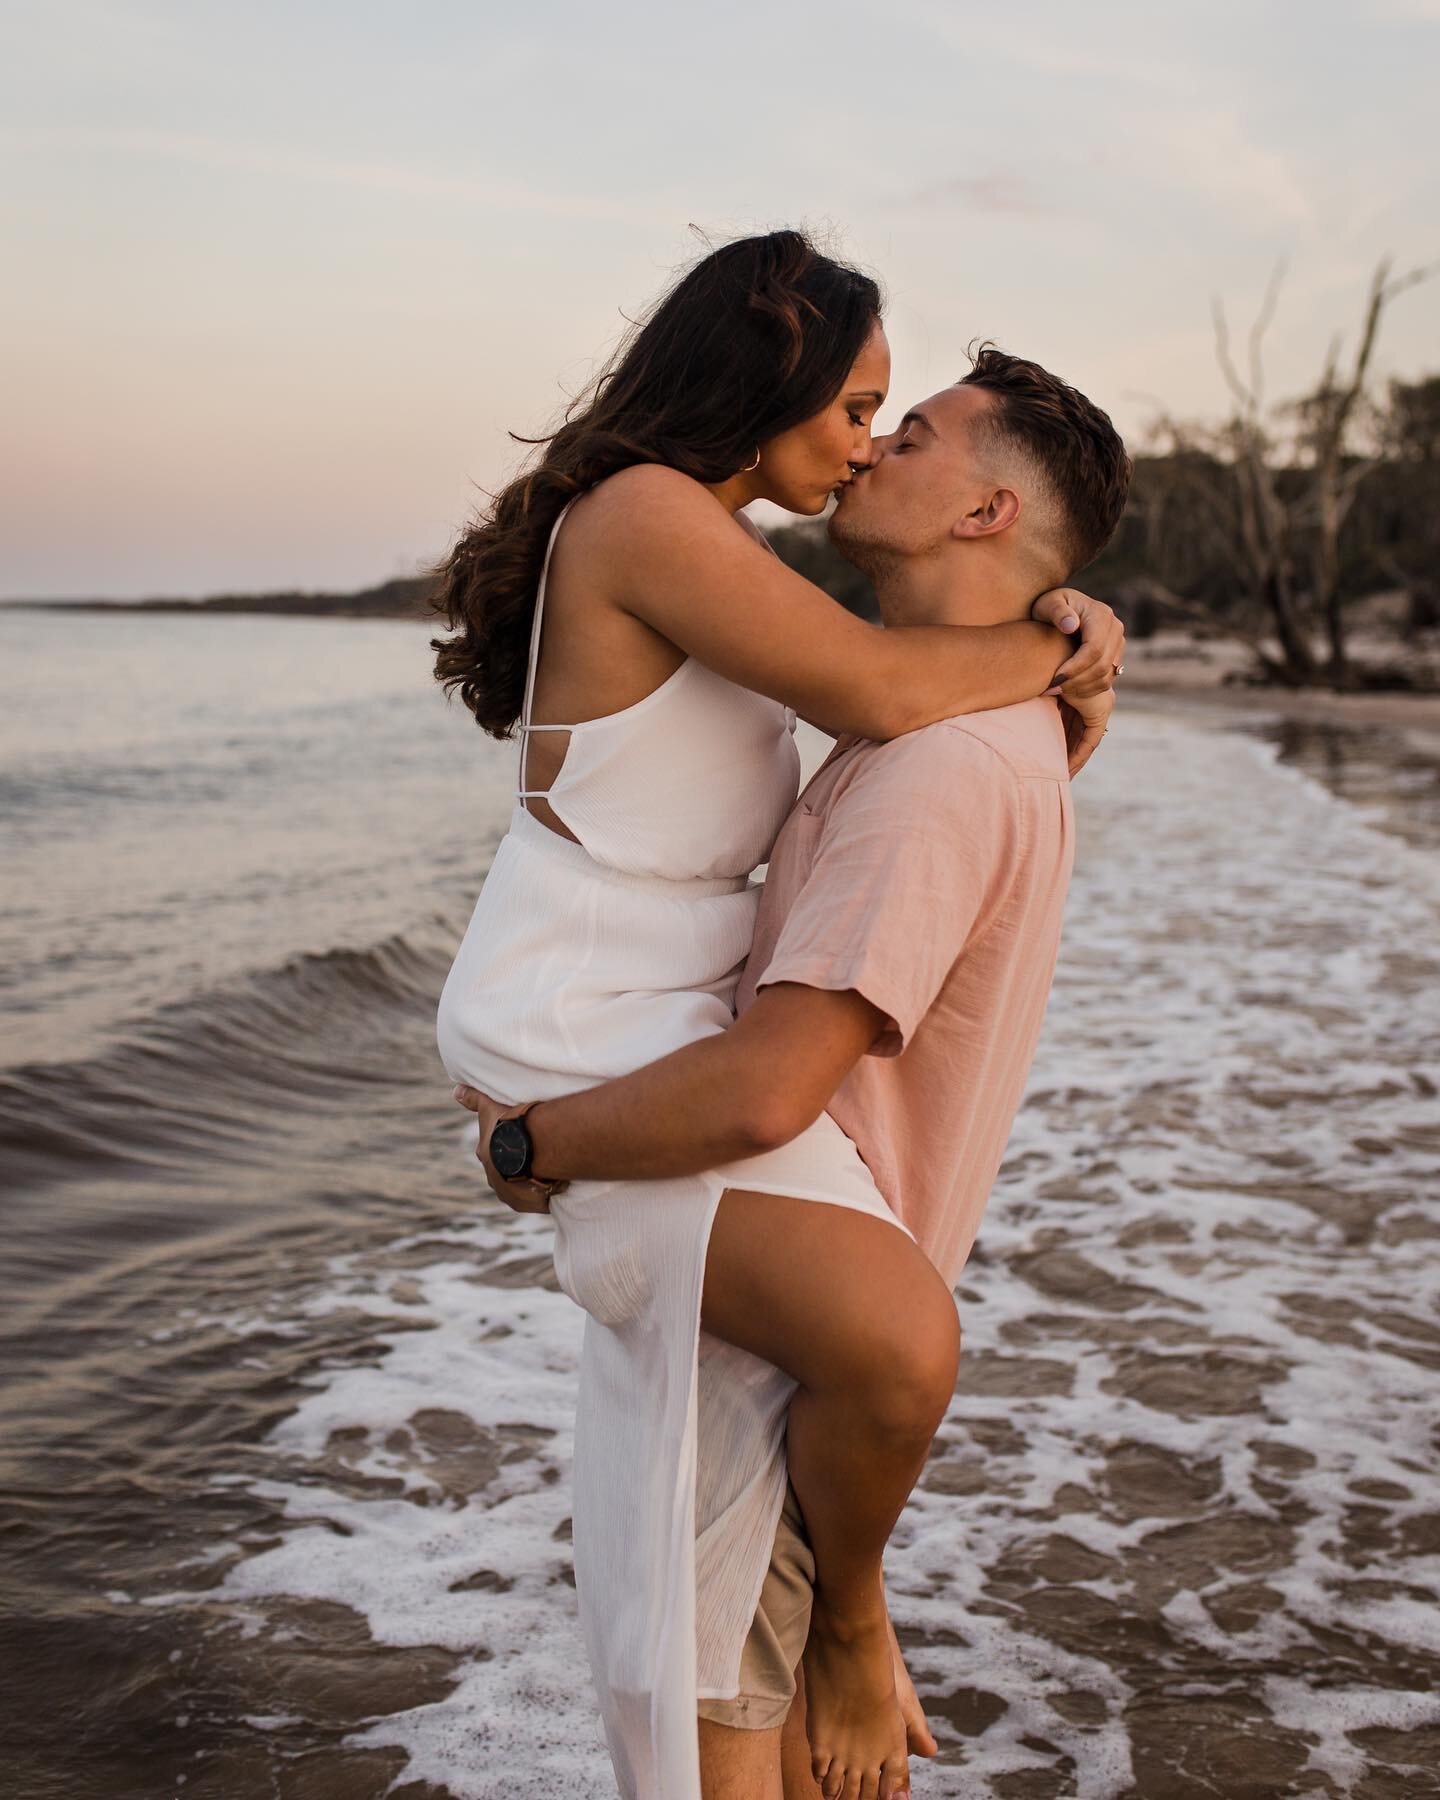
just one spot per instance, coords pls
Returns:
(1390, 773)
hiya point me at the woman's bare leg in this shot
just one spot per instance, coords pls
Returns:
(854, 1312)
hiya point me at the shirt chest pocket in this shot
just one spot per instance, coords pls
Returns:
(801, 835)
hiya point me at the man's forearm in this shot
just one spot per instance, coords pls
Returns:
(690, 1111)
(733, 1094)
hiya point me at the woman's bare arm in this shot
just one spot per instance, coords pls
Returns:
(671, 556)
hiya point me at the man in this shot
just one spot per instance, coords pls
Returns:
(907, 934)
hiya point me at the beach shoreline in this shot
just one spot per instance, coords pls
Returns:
(1209, 674)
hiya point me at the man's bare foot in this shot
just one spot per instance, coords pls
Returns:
(917, 1731)
(852, 1713)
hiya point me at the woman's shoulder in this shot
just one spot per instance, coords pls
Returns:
(651, 513)
(645, 490)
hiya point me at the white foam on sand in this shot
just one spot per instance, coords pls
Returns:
(1220, 1177)
(505, 1359)
(1336, 1712)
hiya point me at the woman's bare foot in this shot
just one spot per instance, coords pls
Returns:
(852, 1713)
(917, 1730)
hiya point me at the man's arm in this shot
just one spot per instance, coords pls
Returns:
(739, 1092)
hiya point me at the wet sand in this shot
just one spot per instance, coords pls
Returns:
(1174, 668)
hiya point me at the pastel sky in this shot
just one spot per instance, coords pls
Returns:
(280, 274)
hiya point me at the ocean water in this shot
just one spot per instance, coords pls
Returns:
(287, 1397)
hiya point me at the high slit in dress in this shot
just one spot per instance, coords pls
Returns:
(582, 962)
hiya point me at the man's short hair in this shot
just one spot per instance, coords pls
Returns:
(1072, 443)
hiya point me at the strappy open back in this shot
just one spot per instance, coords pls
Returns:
(668, 787)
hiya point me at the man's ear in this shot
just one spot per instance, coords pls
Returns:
(996, 511)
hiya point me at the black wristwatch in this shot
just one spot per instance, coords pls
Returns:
(511, 1150)
(512, 1153)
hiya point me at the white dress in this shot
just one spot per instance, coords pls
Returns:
(581, 962)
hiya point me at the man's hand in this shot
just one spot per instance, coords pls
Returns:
(519, 1196)
(1101, 656)
(1086, 722)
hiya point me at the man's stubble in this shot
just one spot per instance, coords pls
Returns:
(866, 549)
(874, 551)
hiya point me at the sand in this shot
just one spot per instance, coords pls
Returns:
(1177, 666)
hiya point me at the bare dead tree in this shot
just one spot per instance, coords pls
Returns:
(1289, 514)
(1262, 519)
(1336, 484)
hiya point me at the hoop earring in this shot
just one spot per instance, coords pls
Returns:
(752, 465)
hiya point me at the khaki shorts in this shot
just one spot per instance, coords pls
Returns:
(777, 1636)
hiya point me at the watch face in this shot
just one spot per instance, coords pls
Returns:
(510, 1148)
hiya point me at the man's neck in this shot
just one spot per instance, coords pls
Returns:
(951, 590)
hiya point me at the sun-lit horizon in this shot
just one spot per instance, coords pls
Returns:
(284, 278)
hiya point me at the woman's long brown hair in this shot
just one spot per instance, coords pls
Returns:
(757, 337)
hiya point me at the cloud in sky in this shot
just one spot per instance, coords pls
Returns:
(1056, 41)
(1211, 153)
(997, 191)
(280, 277)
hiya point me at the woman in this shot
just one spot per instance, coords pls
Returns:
(656, 718)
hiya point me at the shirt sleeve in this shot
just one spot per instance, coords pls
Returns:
(912, 858)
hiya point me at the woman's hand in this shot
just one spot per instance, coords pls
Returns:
(1101, 656)
(1086, 722)
(519, 1196)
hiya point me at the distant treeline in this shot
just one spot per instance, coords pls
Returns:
(401, 598)
(1179, 556)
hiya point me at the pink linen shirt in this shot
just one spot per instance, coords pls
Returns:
(929, 873)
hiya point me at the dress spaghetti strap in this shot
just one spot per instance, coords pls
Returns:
(522, 793)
